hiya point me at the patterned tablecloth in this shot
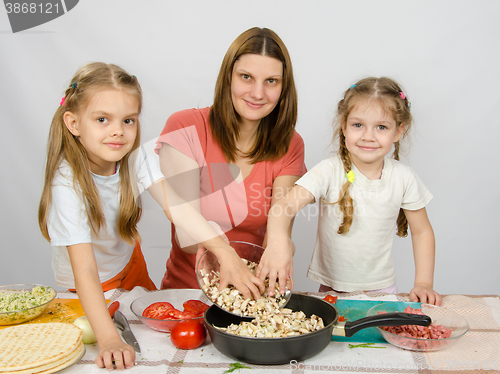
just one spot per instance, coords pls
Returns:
(478, 350)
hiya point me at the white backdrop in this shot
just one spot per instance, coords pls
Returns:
(445, 54)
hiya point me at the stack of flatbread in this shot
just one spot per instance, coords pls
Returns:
(40, 348)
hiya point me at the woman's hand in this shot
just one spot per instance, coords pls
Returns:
(236, 272)
(425, 294)
(277, 263)
(115, 354)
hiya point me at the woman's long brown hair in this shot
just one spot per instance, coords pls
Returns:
(62, 145)
(276, 130)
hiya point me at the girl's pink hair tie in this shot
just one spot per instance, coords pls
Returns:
(62, 100)
(402, 95)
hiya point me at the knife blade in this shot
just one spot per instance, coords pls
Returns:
(122, 323)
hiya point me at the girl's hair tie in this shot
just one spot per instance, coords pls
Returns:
(408, 104)
(62, 101)
(350, 176)
(73, 85)
(354, 85)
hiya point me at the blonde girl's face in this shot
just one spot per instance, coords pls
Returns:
(370, 133)
(106, 127)
(256, 86)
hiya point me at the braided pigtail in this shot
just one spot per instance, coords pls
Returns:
(402, 222)
(345, 201)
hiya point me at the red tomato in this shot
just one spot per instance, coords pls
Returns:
(188, 334)
(196, 306)
(173, 314)
(331, 299)
(187, 314)
(157, 310)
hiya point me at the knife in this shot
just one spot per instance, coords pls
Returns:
(113, 307)
(122, 323)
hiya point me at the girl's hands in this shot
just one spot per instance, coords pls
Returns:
(425, 294)
(277, 260)
(115, 354)
(277, 263)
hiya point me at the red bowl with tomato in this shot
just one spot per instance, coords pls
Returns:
(162, 310)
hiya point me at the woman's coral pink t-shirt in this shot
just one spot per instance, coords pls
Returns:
(240, 207)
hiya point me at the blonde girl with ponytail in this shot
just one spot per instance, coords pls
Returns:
(366, 196)
(89, 208)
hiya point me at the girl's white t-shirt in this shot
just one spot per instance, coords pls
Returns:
(360, 260)
(68, 223)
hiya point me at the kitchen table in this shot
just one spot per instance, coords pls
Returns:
(478, 350)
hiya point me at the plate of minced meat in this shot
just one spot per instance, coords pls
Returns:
(446, 328)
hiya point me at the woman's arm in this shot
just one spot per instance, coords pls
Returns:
(181, 191)
(183, 176)
(422, 237)
(88, 286)
(277, 260)
(184, 215)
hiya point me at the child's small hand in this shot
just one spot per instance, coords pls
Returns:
(425, 294)
(115, 354)
(277, 263)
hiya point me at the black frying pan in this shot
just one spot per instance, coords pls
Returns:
(271, 351)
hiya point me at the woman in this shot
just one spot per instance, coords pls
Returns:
(233, 160)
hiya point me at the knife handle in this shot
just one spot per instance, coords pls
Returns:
(113, 307)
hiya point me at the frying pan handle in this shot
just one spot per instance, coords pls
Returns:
(386, 319)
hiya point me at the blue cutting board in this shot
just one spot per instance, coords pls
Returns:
(357, 309)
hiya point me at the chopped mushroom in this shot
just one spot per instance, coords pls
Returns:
(232, 300)
(285, 323)
(269, 321)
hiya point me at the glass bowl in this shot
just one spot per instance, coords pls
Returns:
(19, 304)
(173, 297)
(439, 315)
(208, 264)
(207, 272)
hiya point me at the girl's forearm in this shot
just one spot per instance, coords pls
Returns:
(424, 255)
(283, 212)
(280, 218)
(89, 290)
(422, 237)
(94, 305)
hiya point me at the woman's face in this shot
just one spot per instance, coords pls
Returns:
(256, 87)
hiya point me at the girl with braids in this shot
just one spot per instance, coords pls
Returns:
(363, 195)
(88, 210)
